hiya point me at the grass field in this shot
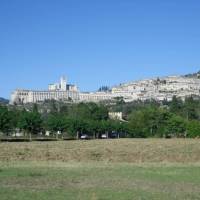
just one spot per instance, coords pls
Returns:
(125, 169)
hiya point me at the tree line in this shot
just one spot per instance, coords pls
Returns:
(177, 118)
(72, 119)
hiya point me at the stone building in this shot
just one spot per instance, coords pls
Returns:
(158, 89)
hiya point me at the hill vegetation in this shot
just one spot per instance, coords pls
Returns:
(143, 119)
(3, 101)
(193, 75)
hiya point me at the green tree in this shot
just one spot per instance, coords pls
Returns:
(30, 122)
(176, 105)
(56, 123)
(175, 127)
(98, 112)
(190, 107)
(6, 124)
(193, 129)
(137, 125)
(145, 122)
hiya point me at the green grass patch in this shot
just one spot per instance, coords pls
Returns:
(125, 169)
(100, 181)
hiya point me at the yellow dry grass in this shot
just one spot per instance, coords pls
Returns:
(122, 150)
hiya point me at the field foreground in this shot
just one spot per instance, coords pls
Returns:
(101, 170)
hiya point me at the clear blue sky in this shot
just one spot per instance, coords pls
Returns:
(96, 42)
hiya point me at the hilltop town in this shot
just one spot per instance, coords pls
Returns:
(158, 89)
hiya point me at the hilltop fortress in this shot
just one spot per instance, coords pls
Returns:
(158, 89)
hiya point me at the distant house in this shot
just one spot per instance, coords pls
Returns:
(115, 115)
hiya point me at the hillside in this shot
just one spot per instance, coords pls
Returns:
(3, 101)
(160, 88)
(193, 75)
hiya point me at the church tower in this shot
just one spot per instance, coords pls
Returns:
(63, 83)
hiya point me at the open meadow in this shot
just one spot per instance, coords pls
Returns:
(124, 169)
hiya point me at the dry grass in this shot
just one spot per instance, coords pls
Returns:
(123, 150)
(125, 169)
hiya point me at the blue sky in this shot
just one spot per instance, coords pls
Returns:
(96, 42)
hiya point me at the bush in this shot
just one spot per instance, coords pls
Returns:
(193, 129)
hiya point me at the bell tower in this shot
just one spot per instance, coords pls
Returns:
(63, 83)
